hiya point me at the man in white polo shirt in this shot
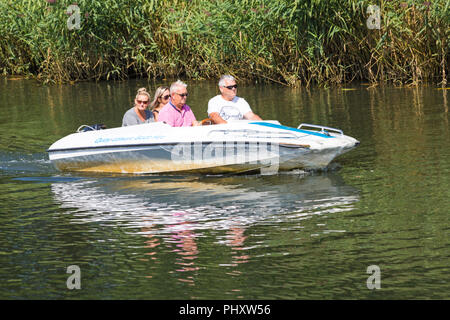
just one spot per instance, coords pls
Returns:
(227, 106)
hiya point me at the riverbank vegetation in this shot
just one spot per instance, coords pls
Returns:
(293, 42)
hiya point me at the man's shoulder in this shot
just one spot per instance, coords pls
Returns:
(187, 108)
(165, 109)
(237, 99)
(219, 99)
(216, 99)
(240, 102)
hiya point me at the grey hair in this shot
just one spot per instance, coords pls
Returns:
(177, 84)
(225, 77)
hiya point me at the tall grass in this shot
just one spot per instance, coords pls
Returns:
(293, 42)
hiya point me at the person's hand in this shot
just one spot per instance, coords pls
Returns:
(196, 123)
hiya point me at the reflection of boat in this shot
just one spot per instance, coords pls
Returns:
(233, 147)
(172, 202)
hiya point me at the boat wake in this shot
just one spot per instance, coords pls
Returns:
(12, 163)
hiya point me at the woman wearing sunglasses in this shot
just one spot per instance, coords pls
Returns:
(139, 113)
(160, 100)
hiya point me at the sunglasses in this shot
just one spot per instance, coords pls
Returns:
(165, 97)
(182, 94)
(140, 101)
(231, 87)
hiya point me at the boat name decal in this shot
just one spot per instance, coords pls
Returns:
(138, 138)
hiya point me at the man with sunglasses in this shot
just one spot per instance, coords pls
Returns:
(228, 106)
(176, 112)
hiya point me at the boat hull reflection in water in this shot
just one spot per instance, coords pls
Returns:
(203, 202)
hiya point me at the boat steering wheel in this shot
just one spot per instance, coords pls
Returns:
(206, 122)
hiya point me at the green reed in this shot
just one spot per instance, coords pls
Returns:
(284, 41)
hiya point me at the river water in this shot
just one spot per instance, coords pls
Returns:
(295, 235)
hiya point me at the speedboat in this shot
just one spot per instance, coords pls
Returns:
(234, 147)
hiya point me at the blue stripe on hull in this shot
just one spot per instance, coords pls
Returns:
(278, 126)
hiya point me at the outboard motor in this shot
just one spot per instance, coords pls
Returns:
(93, 127)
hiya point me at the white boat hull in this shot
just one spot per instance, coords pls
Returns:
(234, 147)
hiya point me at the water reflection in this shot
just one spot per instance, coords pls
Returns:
(444, 100)
(174, 214)
(209, 202)
(183, 244)
(235, 239)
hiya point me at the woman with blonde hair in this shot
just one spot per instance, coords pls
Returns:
(139, 113)
(161, 98)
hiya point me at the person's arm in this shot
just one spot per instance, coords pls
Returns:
(216, 118)
(155, 115)
(252, 116)
(195, 123)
